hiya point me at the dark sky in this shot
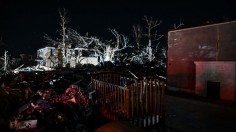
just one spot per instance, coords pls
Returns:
(23, 22)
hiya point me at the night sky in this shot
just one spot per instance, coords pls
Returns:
(23, 22)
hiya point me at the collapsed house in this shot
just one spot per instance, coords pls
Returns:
(65, 57)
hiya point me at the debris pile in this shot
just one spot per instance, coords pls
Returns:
(48, 110)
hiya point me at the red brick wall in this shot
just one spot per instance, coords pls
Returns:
(205, 43)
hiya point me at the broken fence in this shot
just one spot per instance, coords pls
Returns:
(140, 101)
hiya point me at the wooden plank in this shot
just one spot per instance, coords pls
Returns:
(124, 98)
(159, 98)
(116, 98)
(146, 92)
(151, 97)
(155, 99)
(119, 98)
(141, 96)
(128, 102)
(137, 90)
(132, 100)
(163, 100)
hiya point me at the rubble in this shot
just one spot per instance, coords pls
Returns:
(58, 100)
(71, 106)
(46, 102)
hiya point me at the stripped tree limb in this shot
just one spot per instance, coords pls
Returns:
(179, 25)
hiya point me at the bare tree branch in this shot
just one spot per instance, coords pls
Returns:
(50, 41)
(64, 20)
(179, 25)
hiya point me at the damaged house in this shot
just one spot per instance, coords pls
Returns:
(201, 60)
(65, 57)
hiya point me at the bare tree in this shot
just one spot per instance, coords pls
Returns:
(79, 40)
(151, 35)
(64, 20)
(64, 41)
(86, 43)
(149, 39)
(137, 33)
(120, 44)
(61, 43)
(5, 62)
(106, 49)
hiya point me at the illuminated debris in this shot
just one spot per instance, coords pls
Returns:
(51, 109)
(26, 125)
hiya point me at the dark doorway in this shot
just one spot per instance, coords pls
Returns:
(213, 90)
